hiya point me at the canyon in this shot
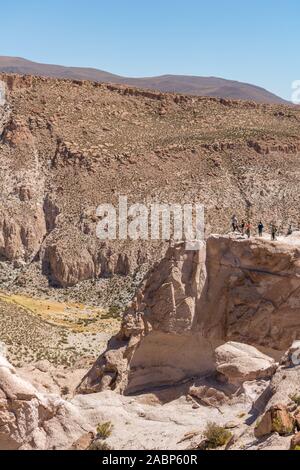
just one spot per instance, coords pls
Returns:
(155, 339)
(69, 146)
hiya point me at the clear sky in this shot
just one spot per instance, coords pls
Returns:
(255, 41)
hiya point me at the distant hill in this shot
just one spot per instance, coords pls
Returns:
(199, 86)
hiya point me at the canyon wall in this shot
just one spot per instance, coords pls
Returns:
(68, 146)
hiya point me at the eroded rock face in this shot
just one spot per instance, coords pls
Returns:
(157, 343)
(192, 302)
(69, 266)
(21, 237)
(253, 293)
(23, 411)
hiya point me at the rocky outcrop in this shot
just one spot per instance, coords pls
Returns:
(295, 443)
(253, 293)
(69, 266)
(276, 419)
(21, 237)
(155, 344)
(23, 411)
(31, 420)
(16, 134)
(191, 302)
(281, 412)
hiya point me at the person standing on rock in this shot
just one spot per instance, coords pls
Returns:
(274, 231)
(235, 223)
(248, 229)
(260, 229)
(290, 230)
(242, 227)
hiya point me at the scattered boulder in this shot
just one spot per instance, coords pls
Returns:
(276, 419)
(295, 442)
(240, 363)
(84, 442)
(292, 356)
(208, 396)
(297, 418)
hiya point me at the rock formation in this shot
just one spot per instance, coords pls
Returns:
(24, 413)
(191, 302)
(239, 363)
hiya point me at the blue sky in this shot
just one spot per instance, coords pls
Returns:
(255, 41)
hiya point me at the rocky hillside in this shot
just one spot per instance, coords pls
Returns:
(67, 146)
(199, 86)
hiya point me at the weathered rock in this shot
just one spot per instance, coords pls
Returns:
(208, 395)
(295, 442)
(241, 363)
(297, 418)
(156, 344)
(37, 420)
(194, 301)
(21, 237)
(68, 266)
(23, 411)
(292, 357)
(244, 301)
(276, 419)
(84, 442)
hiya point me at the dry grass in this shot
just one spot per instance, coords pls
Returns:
(37, 329)
(75, 317)
(217, 436)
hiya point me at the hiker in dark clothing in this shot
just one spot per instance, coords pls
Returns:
(274, 231)
(248, 229)
(242, 227)
(290, 230)
(260, 229)
(235, 224)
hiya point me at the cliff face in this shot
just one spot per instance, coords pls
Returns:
(253, 291)
(191, 302)
(68, 146)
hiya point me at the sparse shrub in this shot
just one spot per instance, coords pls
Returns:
(113, 312)
(104, 430)
(295, 398)
(65, 391)
(99, 445)
(217, 436)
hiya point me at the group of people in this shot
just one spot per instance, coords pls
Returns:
(245, 228)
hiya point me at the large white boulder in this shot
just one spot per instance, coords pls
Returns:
(240, 363)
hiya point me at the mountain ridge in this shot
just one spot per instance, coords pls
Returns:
(183, 84)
